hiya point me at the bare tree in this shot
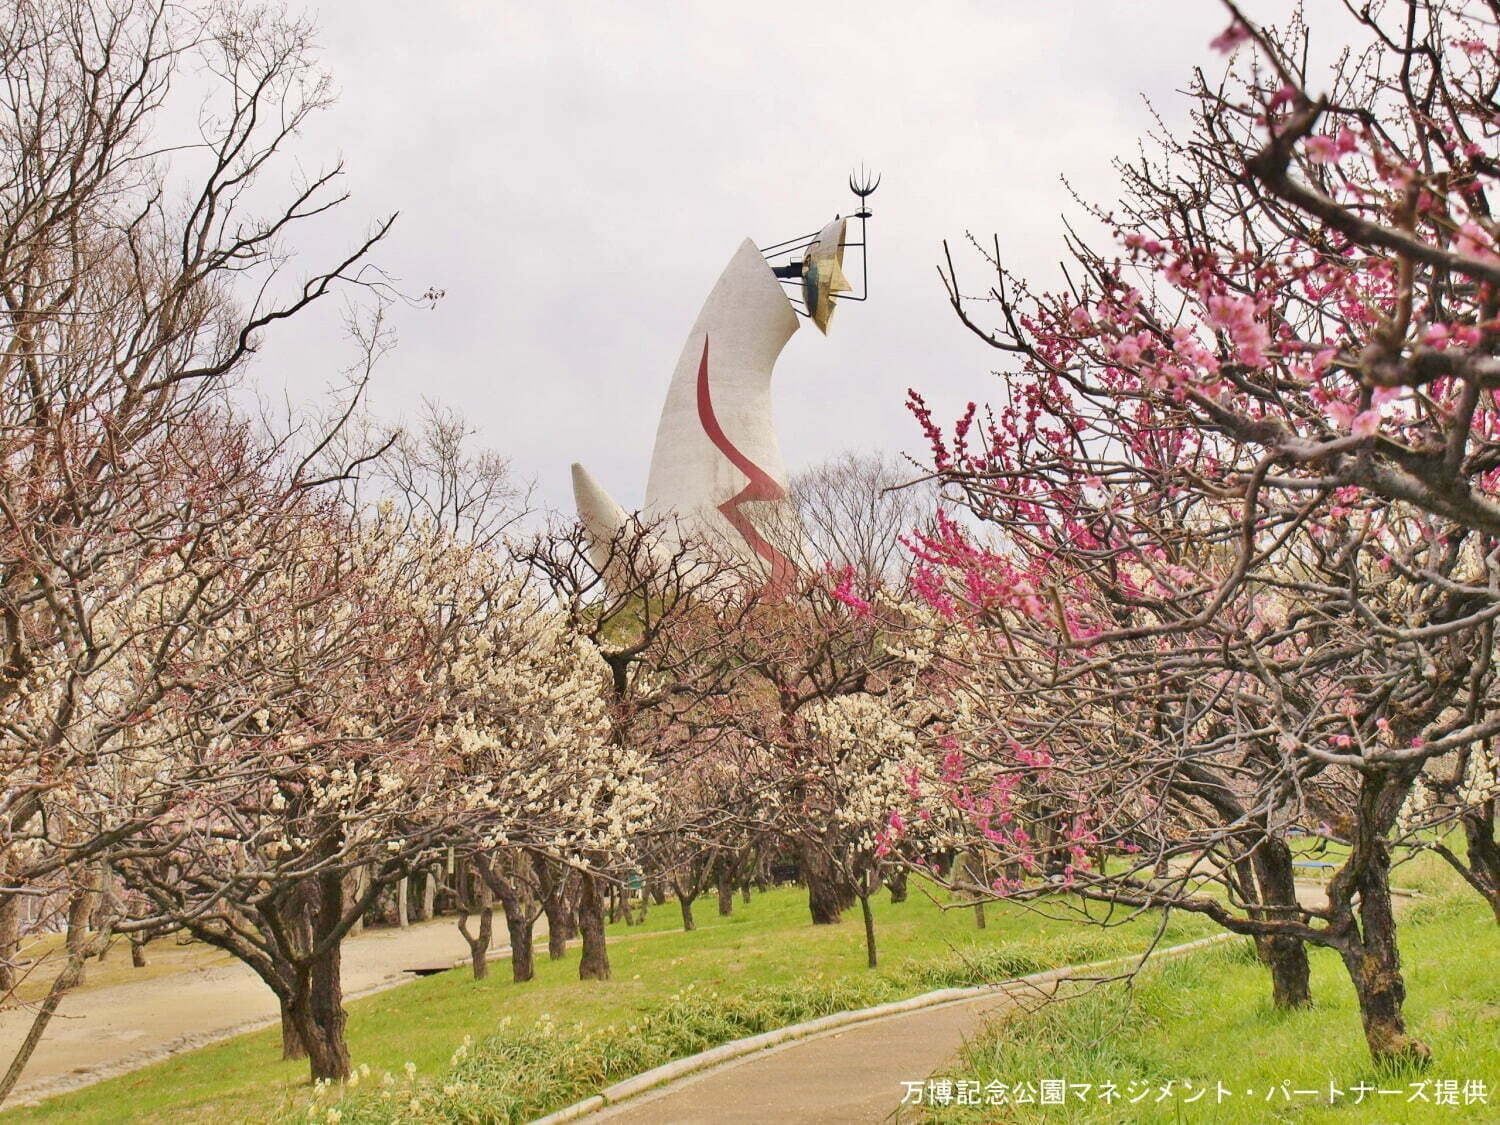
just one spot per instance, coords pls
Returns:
(135, 281)
(854, 510)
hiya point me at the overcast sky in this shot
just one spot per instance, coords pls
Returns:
(575, 176)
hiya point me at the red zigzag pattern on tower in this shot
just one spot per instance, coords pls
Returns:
(761, 486)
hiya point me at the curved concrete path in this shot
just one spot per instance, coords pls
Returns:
(851, 1075)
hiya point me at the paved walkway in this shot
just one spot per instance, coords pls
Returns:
(100, 1032)
(851, 1075)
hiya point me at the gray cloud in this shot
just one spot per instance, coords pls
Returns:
(575, 176)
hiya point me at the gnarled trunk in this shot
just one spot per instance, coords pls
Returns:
(1484, 852)
(291, 1038)
(559, 914)
(1371, 955)
(896, 881)
(1291, 982)
(479, 942)
(559, 926)
(827, 897)
(356, 883)
(317, 1012)
(522, 959)
(323, 1035)
(725, 883)
(594, 964)
(1284, 955)
(516, 900)
(686, 904)
(10, 941)
(1374, 964)
(317, 1004)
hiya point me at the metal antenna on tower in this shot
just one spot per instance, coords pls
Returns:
(864, 187)
(813, 263)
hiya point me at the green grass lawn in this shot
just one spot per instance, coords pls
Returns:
(1208, 1019)
(766, 945)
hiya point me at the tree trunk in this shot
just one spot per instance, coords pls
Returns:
(479, 943)
(553, 892)
(1291, 982)
(1374, 964)
(319, 1016)
(633, 892)
(137, 954)
(745, 890)
(896, 881)
(1376, 973)
(970, 877)
(429, 897)
(291, 1040)
(869, 915)
(558, 926)
(10, 941)
(475, 884)
(358, 884)
(687, 912)
(826, 900)
(522, 958)
(1484, 853)
(520, 913)
(822, 902)
(317, 1003)
(658, 892)
(594, 964)
(726, 890)
(1284, 955)
(327, 1052)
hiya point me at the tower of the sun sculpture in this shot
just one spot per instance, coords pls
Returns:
(717, 479)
